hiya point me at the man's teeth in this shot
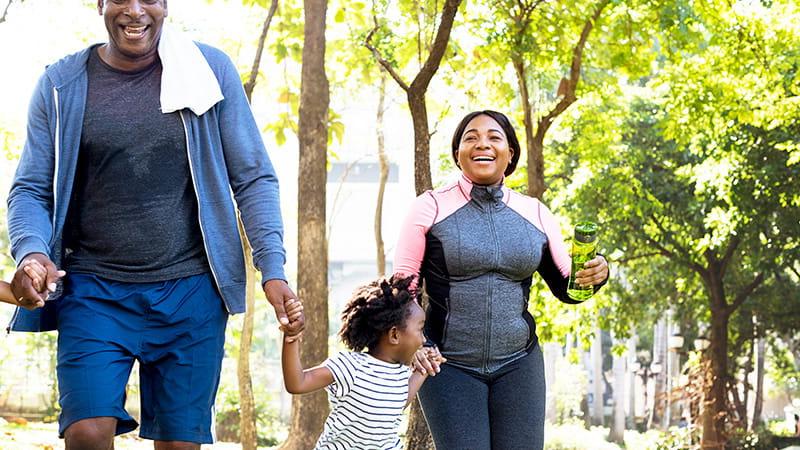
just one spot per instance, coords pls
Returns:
(134, 31)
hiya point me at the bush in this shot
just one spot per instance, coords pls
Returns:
(269, 428)
(760, 439)
(573, 436)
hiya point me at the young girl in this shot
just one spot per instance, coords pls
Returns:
(367, 390)
(38, 275)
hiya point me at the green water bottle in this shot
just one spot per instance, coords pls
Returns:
(584, 248)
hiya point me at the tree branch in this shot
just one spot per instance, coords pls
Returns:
(744, 293)
(691, 264)
(383, 62)
(644, 255)
(5, 11)
(431, 65)
(251, 82)
(726, 258)
(568, 87)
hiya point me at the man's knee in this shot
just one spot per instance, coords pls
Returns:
(96, 433)
(176, 445)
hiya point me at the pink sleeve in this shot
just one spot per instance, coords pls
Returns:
(558, 249)
(410, 248)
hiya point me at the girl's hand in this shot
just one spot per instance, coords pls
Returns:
(297, 320)
(427, 360)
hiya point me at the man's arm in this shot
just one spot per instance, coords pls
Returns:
(30, 200)
(252, 176)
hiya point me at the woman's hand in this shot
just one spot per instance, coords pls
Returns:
(594, 272)
(427, 360)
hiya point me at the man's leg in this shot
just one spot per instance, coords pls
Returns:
(95, 328)
(181, 361)
(96, 433)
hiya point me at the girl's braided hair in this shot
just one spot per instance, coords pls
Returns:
(374, 309)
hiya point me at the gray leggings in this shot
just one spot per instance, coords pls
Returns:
(500, 411)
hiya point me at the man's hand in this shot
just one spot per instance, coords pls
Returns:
(30, 292)
(278, 293)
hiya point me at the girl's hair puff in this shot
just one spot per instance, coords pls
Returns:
(374, 309)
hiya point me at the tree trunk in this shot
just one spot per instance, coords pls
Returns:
(422, 141)
(535, 158)
(567, 94)
(247, 417)
(251, 80)
(659, 353)
(714, 407)
(617, 433)
(309, 411)
(597, 377)
(417, 89)
(384, 176)
(419, 437)
(758, 402)
(248, 435)
(552, 354)
(631, 389)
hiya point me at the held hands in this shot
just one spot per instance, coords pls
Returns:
(278, 294)
(594, 272)
(34, 280)
(297, 320)
(427, 360)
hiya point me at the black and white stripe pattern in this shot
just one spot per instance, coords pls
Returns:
(367, 400)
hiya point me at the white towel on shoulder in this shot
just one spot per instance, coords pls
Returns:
(187, 81)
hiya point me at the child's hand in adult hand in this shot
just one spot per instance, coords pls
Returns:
(278, 292)
(294, 312)
(427, 360)
(22, 284)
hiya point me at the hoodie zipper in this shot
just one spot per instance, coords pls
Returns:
(199, 216)
(490, 292)
(56, 157)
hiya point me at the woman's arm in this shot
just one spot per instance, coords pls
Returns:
(410, 248)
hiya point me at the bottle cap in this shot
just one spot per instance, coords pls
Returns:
(585, 232)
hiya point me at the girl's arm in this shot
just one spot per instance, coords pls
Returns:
(434, 359)
(6, 295)
(414, 383)
(296, 379)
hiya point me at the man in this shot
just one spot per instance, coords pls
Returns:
(125, 181)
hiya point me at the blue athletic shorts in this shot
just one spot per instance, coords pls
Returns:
(175, 329)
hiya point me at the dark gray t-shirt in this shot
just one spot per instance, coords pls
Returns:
(133, 212)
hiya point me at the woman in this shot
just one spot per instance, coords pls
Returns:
(476, 244)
